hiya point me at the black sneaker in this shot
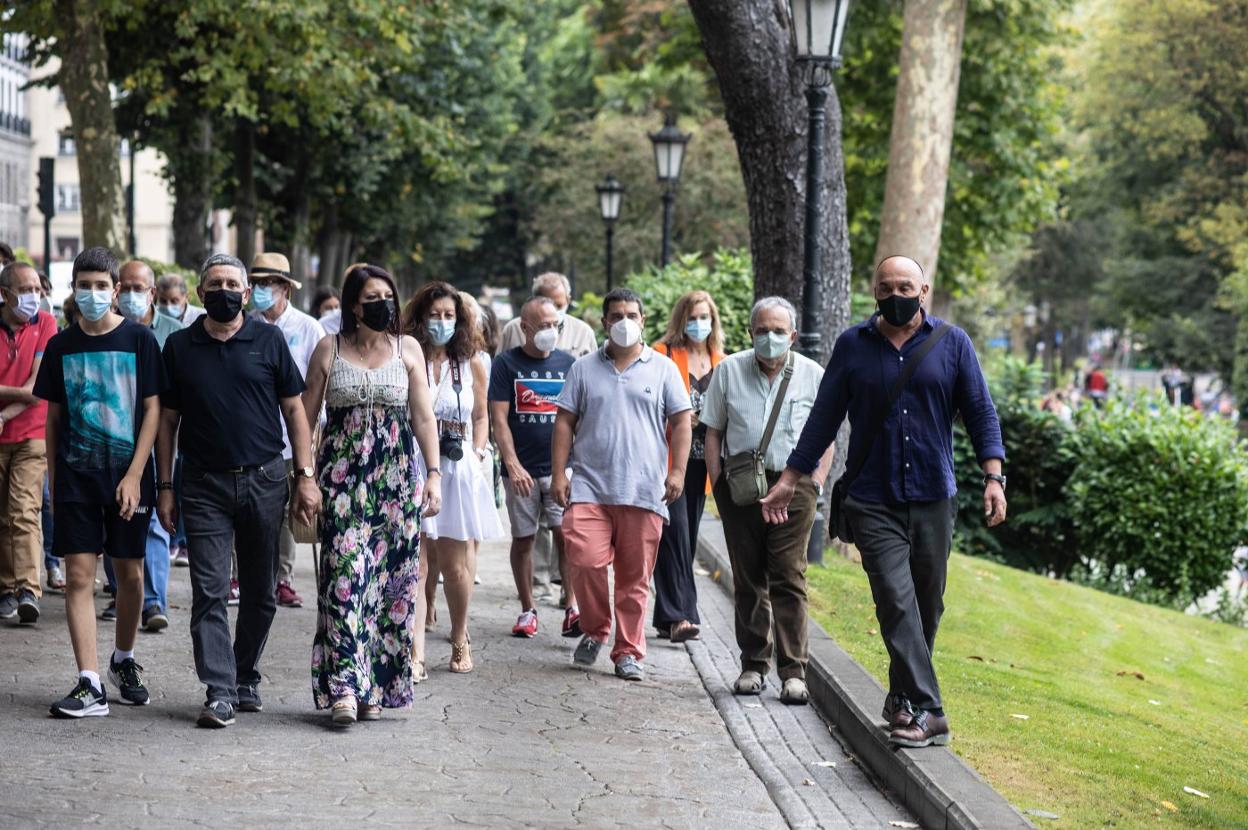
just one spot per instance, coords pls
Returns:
(127, 676)
(83, 702)
(249, 699)
(216, 714)
(154, 618)
(8, 606)
(110, 613)
(27, 607)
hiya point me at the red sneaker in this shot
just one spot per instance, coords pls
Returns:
(286, 596)
(233, 597)
(572, 622)
(526, 625)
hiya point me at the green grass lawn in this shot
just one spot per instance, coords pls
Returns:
(1125, 703)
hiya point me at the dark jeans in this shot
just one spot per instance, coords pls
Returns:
(905, 552)
(675, 591)
(227, 512)
(769, 579)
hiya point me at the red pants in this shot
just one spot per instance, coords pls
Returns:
(596, 536)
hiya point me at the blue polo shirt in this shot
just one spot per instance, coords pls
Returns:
(228, 393)
(912, 457)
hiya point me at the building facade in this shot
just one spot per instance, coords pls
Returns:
(15, 143)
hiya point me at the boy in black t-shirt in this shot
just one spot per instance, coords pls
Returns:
(102, 379)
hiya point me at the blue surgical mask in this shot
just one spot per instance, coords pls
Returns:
(174, 311)
(133, 304)
(27, 307)
(771, 346)
(441, 331)
(262, 298)
(93, 304)
(698, 330)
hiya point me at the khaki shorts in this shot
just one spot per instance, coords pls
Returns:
(538, 508)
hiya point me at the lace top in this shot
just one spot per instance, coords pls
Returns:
(351, 385)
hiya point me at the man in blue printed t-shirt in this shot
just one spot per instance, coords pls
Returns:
(524, 384)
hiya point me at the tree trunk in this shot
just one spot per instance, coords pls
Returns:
(763, 89)
(192, 192)
(83, 78)
(922, 132)
(301, 238)
(245, 195)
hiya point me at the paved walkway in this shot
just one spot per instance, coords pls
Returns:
(524, 741)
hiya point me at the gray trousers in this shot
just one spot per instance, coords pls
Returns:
(905, 552)
(226, 512)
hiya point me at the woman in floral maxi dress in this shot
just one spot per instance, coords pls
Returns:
(378, 406)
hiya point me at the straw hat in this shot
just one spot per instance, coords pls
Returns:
(273, 265)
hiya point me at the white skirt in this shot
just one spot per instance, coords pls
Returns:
(468, 510)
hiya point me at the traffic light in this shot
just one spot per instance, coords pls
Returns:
(47, 186)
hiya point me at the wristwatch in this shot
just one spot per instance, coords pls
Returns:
(431, 471)
(304, 472)
(999, 479)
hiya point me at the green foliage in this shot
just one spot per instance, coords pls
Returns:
(728, 276)
(1007, 158)
(1159, 500)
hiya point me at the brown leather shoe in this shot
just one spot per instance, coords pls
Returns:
(925, 730)
(897, 712)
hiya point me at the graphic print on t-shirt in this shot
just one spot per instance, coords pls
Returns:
(535, 398)
(100, 391)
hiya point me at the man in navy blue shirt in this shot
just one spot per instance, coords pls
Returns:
(901, 506)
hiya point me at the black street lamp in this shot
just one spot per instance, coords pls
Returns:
(818, 29)
(610, 195)
(669, 156)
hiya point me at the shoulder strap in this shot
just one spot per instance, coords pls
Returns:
(854, 464)
(775, 407)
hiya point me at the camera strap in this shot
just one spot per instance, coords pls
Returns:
(457, 383)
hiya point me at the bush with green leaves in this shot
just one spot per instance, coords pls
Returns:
(1159, 499)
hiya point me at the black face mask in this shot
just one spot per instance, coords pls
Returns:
(898, 310)
(378, 314)
(222, 305)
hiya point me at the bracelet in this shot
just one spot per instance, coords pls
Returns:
(164, 485)
(431, 471)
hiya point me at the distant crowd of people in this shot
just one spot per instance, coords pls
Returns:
(216, 435)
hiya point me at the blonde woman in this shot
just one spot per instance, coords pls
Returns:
(694, 340)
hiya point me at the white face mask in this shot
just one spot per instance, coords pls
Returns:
(626, 333)
(562, 311)
(544, 340)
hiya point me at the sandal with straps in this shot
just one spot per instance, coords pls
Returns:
(421, 673)
(370, 711)
(461, 657)
(342, 713)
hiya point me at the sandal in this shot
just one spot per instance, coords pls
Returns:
(421, 672)
(683, 631)
(370, 711)
(461, 657)
(342, 713)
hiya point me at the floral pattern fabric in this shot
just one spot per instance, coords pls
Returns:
(369, 566)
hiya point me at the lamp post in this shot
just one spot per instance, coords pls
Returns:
(818, 28)
(610, 195)
(669, 155)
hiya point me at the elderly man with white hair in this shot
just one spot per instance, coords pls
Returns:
(575, 336)
(755, 409)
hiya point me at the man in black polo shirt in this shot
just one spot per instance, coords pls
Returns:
(229, 379)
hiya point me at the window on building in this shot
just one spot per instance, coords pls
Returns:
(65, 143)
(67, 198)
(66, 247)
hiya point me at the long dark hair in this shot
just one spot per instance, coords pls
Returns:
(353, 286)
(416, 314)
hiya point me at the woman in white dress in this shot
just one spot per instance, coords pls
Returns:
(436, 317)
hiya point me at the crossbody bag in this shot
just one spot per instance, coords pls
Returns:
(853, 466)
(744, 471)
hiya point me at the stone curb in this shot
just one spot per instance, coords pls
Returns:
(933, 783)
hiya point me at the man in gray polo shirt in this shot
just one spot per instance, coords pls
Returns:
(616, 410)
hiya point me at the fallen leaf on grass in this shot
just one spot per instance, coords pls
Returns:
(1155, 702)
(1045, 814)
(825, 763)
(1171, 806)
(1021, 717)
(1137, 675)
(872, 632)
(1195, 792)
(906, 824)
(974, 657)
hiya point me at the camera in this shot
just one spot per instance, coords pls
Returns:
(451, 445)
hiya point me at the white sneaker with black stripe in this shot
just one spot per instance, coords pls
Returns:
(85, 701)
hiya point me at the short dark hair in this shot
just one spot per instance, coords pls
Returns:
(622, 295)
(6, 254)
(353, 286)
(97, 259)
(10, 270)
